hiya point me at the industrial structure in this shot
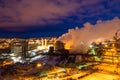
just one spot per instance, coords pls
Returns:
(20, 48)
(49, 59)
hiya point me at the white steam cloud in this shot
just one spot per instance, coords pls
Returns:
(80, 38)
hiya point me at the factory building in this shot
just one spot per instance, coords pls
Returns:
(20, 48)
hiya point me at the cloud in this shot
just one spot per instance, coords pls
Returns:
(30, 11)
(18, 13)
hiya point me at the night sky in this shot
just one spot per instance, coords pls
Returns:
(47, 18)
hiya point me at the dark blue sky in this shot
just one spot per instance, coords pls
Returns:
(37, 18)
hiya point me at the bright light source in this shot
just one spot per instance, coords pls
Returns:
(16, 59)
(91, 46)
(12, 54)
(33, 53)
(39, 65)
(19, 57)
(41, 47)
(105, 45)
(67, 46)
(46, 50)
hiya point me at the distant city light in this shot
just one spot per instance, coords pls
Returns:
(39, 64)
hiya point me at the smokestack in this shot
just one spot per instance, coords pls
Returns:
(51, 50)
(42, 42)
(45, 42)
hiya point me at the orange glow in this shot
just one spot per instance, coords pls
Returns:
(41, 47)
(50, 46)
(67, 46)
(39, 65)
(7, 62)
(99, 40)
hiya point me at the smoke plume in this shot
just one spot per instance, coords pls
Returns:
(80, 38)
